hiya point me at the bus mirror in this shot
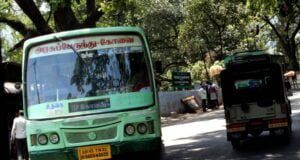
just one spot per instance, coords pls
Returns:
(158, 67)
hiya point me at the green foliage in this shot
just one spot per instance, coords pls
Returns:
(219, 63)
(162, 20)
(121, 13)
(4, 7)
(56, 3)
(199, 71)
(219, 27)
(264, 7)
(283, 18)
(190, 31)
(16, 55)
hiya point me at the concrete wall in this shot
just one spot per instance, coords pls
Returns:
(171, 101)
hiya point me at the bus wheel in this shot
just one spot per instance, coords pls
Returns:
(236, 144)
(159, 152)
(155, 154)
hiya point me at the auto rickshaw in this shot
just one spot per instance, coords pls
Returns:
(255, 97)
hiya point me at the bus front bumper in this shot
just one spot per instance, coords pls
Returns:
(117, 148)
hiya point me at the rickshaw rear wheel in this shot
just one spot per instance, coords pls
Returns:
(256, 133)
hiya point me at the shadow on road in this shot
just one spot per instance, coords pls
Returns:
(189, 118)
(213, 145)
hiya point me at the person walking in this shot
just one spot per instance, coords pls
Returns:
(212, 90)
(18, 134)
(203, 96)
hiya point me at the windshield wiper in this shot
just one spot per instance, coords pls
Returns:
(35, 82)
(73, 49)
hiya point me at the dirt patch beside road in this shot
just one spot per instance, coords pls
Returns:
(188, 117)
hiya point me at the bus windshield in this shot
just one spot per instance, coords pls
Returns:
(102, 66)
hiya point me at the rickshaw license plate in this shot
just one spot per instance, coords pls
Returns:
(94, 152)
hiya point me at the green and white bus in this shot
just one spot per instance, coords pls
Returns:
(90, 94)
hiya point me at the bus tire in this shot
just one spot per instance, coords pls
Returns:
(155, 154)
(159, 152)
(236, 144)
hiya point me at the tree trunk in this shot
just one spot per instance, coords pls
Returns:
(290, 51)
(205, 66)
(287, 43)
(64, 17)
(90, 8)
(220, 55)
(294, 63)
(3, 113)
(33, 13)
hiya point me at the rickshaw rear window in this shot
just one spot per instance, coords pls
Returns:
(248, 83)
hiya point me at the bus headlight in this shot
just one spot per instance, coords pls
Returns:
(54, 138)
(42, 139)
(142, 128)
(129, 129)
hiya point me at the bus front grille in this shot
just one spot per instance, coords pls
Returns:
(75, 123)
(87, 136)
(105, 120)
(90, 123)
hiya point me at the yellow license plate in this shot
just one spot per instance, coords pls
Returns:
(94, 152)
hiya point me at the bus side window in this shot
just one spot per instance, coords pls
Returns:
(140, 77)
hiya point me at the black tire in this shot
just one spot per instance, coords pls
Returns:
(286, 137)
(236, 144)
(256, 133)
(159, 152)
(155, 154)
(287, 134)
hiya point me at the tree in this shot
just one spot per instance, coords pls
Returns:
(33, 18)
(200, 71)
(161, 23)
(47, 16)
(283, 17)
(123, 13)
(3, 136)
(219, 27)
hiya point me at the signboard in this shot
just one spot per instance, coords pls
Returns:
(85, 44)
(181, 80)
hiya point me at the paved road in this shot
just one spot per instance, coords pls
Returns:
(204, 138)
